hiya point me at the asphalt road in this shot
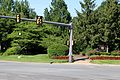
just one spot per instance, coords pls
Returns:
(36, 71)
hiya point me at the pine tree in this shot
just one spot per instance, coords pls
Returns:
(83, 25)
(108, 25)
(9, 27)
(6, 25)
(58, 13)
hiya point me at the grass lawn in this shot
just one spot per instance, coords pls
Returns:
(106, 62)
(42, 58)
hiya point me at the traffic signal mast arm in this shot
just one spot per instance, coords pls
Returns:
(34, 20)
(24, 19)
(70, 26)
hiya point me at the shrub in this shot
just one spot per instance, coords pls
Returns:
(57, 50)
(115, 53)
(105, 53)
(91, 52)
(1, 53)
(87, 50)
(11, 51)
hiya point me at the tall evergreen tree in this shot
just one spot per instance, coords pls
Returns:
(6, 25)
(23, 8)
(83, 23)
(58, 13)
(108, 24)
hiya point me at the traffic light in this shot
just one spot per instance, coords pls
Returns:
(18, 17)
(39, 20)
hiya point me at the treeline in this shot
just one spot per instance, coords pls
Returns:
(92, 27)
(98, 27)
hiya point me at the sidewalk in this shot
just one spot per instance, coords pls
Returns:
(81, 59)
(87, 61)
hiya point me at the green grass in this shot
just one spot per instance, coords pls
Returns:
(43, 58)
(106, 62)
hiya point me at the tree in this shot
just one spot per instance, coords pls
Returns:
(88, 7)
(23, 8)
(27, 36)
(58, 13)
(46, 14)
(108, 24)
(8, 26)
(83, 24)
(98, 27)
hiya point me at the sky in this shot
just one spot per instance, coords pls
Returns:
(40, 5)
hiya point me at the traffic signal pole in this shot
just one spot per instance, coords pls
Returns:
(71, 43)
(70, 26)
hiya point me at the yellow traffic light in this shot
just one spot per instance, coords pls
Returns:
(39, 20)
(18, 18)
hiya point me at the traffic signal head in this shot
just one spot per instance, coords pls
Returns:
(18, 17)
(39, 20)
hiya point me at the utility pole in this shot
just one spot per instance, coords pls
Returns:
(39, 21)
(71, 43)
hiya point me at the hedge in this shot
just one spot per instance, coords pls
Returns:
(57, 50)
(11, 51)
(113, 53)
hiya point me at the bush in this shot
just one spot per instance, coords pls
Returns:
(11, 51)
(87, 50)
(91, 52)
(57, 50)
(115, 53)
(1, 53)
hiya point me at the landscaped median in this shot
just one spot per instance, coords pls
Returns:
(42, 58)
(105, 58)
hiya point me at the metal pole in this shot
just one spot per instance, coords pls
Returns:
(57, 23)
(70, 26)
(33, 20)
(70, 47)
(24, 19)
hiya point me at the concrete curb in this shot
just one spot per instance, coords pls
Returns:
(75, 63)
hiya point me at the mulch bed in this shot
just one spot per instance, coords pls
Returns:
(104, 58)
(91, 58)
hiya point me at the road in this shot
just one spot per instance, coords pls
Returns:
(42, 71)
